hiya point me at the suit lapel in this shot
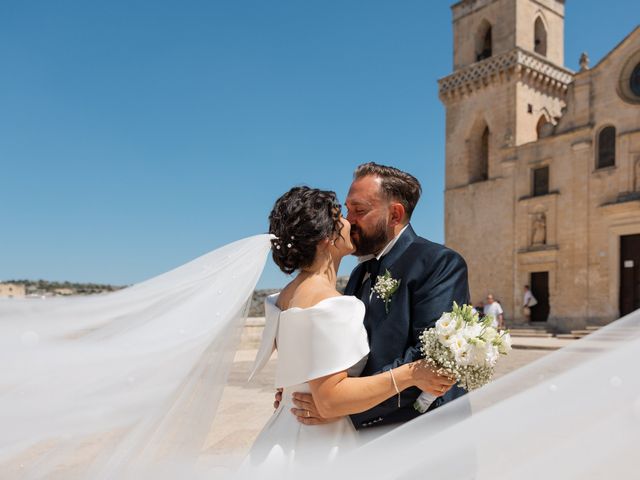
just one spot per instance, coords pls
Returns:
(406, 239)
(356, 279)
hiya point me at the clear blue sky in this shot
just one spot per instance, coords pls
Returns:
(137, 135)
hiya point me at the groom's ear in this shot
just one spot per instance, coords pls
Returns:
(397, 213)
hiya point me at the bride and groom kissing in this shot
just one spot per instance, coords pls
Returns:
(351, 362)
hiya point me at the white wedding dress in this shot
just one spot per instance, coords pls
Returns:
(311, 343)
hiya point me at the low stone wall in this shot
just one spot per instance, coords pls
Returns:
(252, 333)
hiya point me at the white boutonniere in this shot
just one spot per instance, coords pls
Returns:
(385, 287)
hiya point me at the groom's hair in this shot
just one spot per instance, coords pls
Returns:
(396, 185)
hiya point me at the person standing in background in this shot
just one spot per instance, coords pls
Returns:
(492, 307)
(527, 302)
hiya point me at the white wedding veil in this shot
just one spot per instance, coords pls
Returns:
(126, 385)
(108, 385)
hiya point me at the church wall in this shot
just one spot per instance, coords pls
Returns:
(609, 215)
(577, 112)
(564, 254)
(479, 227)
(465, 119)
(543, 102)
(610, 109)
(479, 215)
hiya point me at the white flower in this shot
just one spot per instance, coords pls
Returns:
(489, 334)
(445, 328)
(446, 323)
(385, 287)
(472, 330)
(492, 355)
(478, 352)
(460, 349)
(505, 343)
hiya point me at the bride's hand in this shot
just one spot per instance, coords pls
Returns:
(278, 398)
(429, 381)
(307, 412)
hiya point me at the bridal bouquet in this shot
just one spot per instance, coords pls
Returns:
(464, 347)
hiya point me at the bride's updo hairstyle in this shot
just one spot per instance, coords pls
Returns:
(301, 218)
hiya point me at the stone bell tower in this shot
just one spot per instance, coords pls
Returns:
(507, 89)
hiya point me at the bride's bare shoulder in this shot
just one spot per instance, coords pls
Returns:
(305, 294)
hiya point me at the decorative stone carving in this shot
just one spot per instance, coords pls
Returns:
(584, 62)
(539, 230)
(517, 61)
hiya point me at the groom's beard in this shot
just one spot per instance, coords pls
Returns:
(369, 243)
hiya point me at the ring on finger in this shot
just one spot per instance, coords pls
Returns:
(308, 413)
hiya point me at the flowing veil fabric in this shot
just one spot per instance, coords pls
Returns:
(109, 385)
(126, 385)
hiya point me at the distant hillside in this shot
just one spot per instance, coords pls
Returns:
(257, 302)
(45, 287)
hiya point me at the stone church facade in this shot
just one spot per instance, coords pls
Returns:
(542, 165)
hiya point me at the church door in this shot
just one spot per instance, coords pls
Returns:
(540, 290)
(629, 274)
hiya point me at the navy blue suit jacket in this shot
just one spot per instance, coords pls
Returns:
(431, 278)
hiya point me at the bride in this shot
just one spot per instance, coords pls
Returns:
(320, 337)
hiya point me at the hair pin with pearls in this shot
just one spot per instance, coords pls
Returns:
(278, 245)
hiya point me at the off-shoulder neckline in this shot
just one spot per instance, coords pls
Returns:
(317, 305)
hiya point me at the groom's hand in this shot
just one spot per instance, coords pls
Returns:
(307, 412)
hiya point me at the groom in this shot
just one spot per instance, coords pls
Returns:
(431, 277)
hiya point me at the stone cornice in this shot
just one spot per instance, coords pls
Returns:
(623, 206)
(540, 251)
(525, 65)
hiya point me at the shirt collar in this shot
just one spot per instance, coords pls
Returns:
(385, 250)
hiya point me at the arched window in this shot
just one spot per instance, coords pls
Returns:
(484, 155)
(479, 165)
(606, 147)
(485, 41)
(541, 127)
(540, 37)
